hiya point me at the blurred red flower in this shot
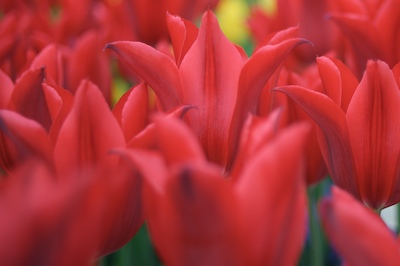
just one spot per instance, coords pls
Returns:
(371, 30)
(359, 128)
(212, 75)
(358, 234)
(311, 18)
(197, 216)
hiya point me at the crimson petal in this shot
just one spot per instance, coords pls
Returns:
(274, 181)
(374, 127)
(253, 77)
(183, 34)
(7, 87)
(131, 110)
(22, 138)
(28, 97)
(209, 73)
(154, 67)
(88, 133)
(357, 233)
(334, 141)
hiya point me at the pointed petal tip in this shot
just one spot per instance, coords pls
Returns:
(114, 45)
(111, 46)
(304, 41)
(108, 46)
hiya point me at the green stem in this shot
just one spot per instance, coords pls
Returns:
(315, 252)
(316, 243)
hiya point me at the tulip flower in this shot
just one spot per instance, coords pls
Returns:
(359, 128)
(210, 74)
(82, 148)
(131, 111)
(371, 28)
(23, 37)
(314, 26)
(38, 224)
(6, 90)
(196, 216)
(33, 97)
(66, 219)
(144, 21)
(85, 141)
(357, 233)
(89, 132)
(31, 119)
(22, 139)
(28, 97)
(292, 113)
(67, 67)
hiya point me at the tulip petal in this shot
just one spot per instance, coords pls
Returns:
(123, 208)
(147, 137)
(164, 135)
(209, 73)
(89, 132)
(396, 73)
(363, 37)
(196, 222)
(374, 127)
(352, 6)
(183, 33)
(357, 233)
(28, 97)
(256, 132)
(338, 81)
(151, 166)
(273, 197)
(50, 58)
(335, 144)
(253, 77)
(7, 87)
(388, 21)
(35, 209)
(155, 68)
(20, 139)
(88, 62)
(258, 69)
(59, 102)
(131, 111)
(169, 132)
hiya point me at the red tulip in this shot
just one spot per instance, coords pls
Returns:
(28, 97)
(372, 29)
(357, 233)
(30, 126)
(89, 132)
(85, 141)
(34, 97)
(144, 21)
(23, 36)
(67, 67)
(195, 216)
(67, 219)
(6, 90)
(359, 129)
(86, 60)
(211, 76)
(30, 39)
(314, 26)
(39, 219)
(22, 139)
(292, 113)
(131, 111)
